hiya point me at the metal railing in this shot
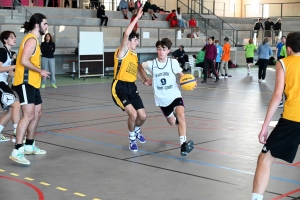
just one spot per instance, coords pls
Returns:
(193, 7)
(17, 4)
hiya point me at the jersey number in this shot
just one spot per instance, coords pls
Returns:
(163, 81)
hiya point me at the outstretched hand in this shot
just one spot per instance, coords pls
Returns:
(140, 13)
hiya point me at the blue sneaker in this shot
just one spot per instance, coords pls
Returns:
(133, 145)
(140, 137)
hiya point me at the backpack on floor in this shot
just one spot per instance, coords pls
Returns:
(231, 64)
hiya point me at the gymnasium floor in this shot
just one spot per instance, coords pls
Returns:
(87, 158)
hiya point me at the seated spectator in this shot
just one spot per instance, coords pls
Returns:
(138, 4)
(171, 15)
(123, 6)
(200, 58)
(174, 22)
(180, 20)
(148, 8)
(131, 6)
(180, 56)
(193, 26)
(101, 15)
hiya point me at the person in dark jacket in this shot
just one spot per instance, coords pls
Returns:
(180, 56)
(101, 15)
(268, 25)
(48, 60)
(257, 27)
(210, 60)
(277, 29)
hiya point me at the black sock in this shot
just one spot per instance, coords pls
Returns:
(29, 142)
(17, 146)
(225, 74)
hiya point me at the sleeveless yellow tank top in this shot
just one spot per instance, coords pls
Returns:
(24, 75)
(125, 69)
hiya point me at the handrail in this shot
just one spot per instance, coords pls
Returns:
(19, 4)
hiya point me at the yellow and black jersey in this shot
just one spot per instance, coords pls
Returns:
(291, 68)
(125, 68)
(24, 75)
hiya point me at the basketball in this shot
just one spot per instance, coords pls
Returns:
(188, 82)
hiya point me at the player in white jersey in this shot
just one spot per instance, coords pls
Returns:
(9, 102)
(166, 92)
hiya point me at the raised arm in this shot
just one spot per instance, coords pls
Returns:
(123, 47)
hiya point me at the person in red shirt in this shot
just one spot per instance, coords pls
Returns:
(171, 15)
(193, 26)
(174, 22)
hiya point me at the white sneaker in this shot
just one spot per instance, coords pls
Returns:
(32, 149)
(259, 80)
(18, 156)
(263, 81)
(221, 77)
(3, 138)
(248, 73)
(225, 76)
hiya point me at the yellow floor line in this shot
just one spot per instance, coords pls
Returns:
(29, 179)
(79, 194)
(2, 170)
(13, 174)
(43, 183)
(62, 189)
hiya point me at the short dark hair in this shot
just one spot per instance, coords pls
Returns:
(133, 34)
(165, 42)
(217, 41)
(212, 38)
(36, 18)
(226, 39)
(5, 35)
(102, 6)
(259, 19)
(293, 41)
(283, 37)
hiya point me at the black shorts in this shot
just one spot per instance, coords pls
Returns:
(7, 96)
(284, 140)
(167, 111)
(276, 33)
(267, 33)
(125, 93)
(28, 94)
(249, 60)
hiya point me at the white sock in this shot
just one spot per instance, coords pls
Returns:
(1, 128)
(257, 196)
(182, 139)
(137, 128)
(15, 127)
(132, 135)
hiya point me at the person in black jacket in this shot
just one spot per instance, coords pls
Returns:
(101, 15)
(277, 29)
(268, 25)
(180, 56)
(48, 61)
(257, 27)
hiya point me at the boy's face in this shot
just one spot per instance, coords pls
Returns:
(11, 40)
(283, 39)
(162, 52)
(133, 43)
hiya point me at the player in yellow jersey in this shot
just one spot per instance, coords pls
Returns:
(123, 89)
(284, 140)
(27, 81)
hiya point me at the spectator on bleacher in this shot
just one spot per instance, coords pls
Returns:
(181, 22)
(257, 27)
(67, 3)
(250, 49)
(131, 6)
(268, 25)
(138, 4)
(180, 56)
(264, 52)
(148, 8)
(193, 26)
(123, 6)
(171, 15)
(174, 22)
(48, 60)
(209, 60)
(277, 29)
(219, 53)
(101, 15)
(200, 58)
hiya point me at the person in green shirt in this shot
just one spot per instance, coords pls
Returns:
(200, 58)
(250, 49)
(283, 53)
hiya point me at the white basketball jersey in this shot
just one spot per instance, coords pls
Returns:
(164, 81)
(4, 75)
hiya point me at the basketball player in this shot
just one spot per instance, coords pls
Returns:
(284, 140)
(124, 90)
(27, 81)
(166, 92)
(9, 103)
